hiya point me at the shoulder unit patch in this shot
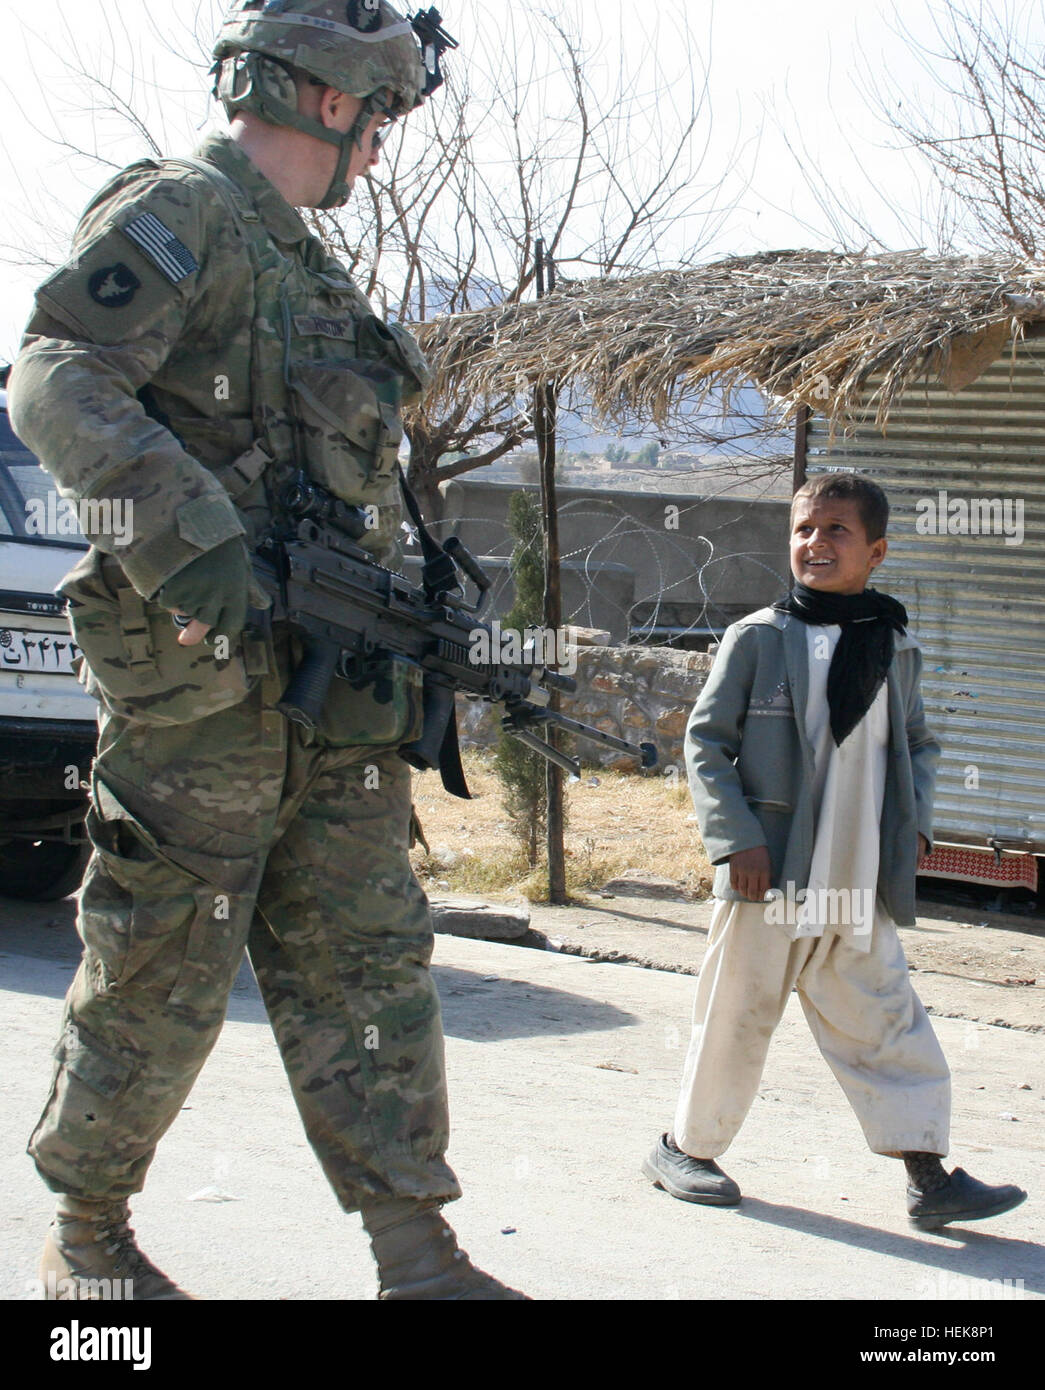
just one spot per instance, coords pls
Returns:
(162, 247)
(113, 286)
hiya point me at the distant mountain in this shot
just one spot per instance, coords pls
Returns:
(444, 297)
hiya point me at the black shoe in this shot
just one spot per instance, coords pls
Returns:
(690, 1179)
(963, 1199)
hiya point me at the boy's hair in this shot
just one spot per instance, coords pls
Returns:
(871, 502)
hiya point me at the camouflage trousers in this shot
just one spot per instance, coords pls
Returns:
(235, 832)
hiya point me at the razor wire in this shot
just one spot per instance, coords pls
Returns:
(661, 544)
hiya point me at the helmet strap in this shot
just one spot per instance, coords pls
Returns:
(337, 194)
(238, 87)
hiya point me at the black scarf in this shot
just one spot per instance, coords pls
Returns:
(864, 652)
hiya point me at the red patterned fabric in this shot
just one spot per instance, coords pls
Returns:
(981, 866)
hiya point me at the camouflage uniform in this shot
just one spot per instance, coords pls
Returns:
(199, 340)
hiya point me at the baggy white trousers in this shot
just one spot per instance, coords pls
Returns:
(867, 1020)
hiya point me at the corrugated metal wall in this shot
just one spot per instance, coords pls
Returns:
(977, 604)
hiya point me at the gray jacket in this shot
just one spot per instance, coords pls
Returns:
(750, 762)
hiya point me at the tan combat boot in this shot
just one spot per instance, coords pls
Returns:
(90, 1253)
(418, 1256)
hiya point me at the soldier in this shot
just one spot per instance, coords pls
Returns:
(200, 354)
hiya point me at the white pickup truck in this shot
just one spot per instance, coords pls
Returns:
(48, 725)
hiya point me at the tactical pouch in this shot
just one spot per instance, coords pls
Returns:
(132, 661)
(379, 705)
(391, 342)
(351, 431)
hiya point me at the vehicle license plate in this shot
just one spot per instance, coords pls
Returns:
(24, 649)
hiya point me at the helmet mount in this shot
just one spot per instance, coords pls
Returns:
(434, 40)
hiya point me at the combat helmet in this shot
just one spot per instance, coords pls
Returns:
(364, 48)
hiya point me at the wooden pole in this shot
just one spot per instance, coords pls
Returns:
(545, 410)
(798, 473)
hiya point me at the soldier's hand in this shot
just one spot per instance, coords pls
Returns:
(211, 590)
(923, 846)
(749, 871)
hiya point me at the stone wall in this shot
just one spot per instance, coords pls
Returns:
(643, 694)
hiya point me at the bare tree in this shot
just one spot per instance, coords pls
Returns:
(984, 135)
(969, 131)
(978, 123)
(118, 99)
(523, 145)
(545, 128)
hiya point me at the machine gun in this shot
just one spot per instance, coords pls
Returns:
(345, 609)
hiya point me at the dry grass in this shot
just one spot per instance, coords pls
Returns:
(623, 822)
(808, 327)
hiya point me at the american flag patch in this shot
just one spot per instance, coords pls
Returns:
(162, 247)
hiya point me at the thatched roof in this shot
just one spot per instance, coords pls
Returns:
(805, 326)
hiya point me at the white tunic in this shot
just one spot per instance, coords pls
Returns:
(848, 791)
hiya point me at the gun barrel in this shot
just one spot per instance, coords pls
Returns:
(566, 684)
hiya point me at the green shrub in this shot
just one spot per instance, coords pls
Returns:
(523, 772)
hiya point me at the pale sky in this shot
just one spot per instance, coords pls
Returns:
(803, 68)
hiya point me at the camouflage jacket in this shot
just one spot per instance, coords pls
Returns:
(200, 342)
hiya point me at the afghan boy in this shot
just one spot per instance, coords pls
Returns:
(812, 771)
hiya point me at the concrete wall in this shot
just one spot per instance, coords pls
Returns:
(631, 556)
